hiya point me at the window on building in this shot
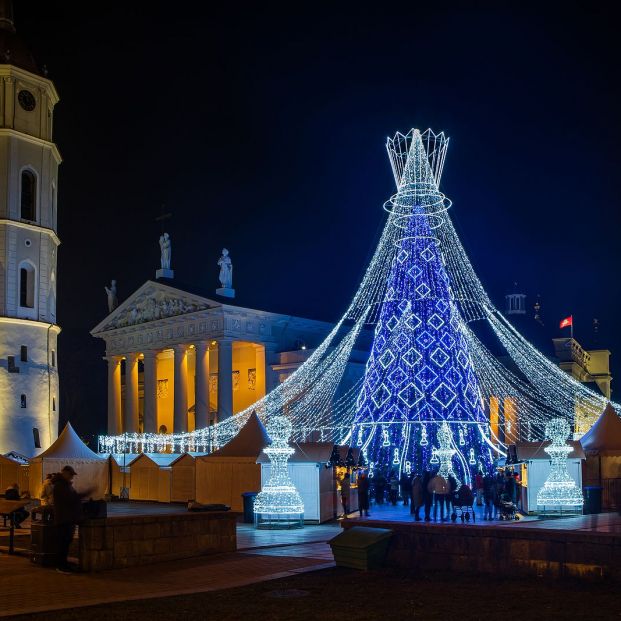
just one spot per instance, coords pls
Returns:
(35, 437)
(24, 354)
(53, 404)
(23, 401)
(29, 196)
(26, 285)
(53, 357)
(10, 363)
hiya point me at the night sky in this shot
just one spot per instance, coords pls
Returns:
(263, 130)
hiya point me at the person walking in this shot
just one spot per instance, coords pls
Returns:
(394, 489)
(478, 488)
(450, 498)
(345, 490)
(438, 486)
(488, 495)
(67, 513)
(418, 499)
(12, 493)
(427, 495)
(363, 494)
(405, 486)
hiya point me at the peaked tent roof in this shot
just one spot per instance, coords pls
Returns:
(605, 435)
(249, 442)
(68, 445)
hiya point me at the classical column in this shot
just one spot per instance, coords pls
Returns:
(130, 424)
(202, 385)
(225, 380)
(115, 424)
(271, 377)
(180, 417)
(150, 391)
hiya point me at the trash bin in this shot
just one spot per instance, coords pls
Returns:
(248, 498)
(43, 544)
(592, 499)
(361, 547)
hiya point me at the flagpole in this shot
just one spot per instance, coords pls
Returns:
(572, 326)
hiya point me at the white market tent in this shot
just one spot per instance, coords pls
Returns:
(69, 450)
(226, 474)
(602, 444)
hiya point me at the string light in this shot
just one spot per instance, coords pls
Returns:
(418, 263)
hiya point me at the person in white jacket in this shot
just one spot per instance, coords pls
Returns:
(439, 487)
(47, 493)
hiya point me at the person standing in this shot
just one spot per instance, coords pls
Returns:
(417, 496)
(427, 495)
(47, 492)
(345, 490)
(394, 489)
(380, 486)
(363, 495)
(478, 488)
(438, 486)
(488, 495)
(450, 498)
(19, 515)
(405, 486)
(67, 513)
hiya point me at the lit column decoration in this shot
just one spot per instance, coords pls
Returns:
(446, 452)
(115, 424)
(225, 380)
(279, 505)
(180, 414)
(131, 394)
(150, 391)
(559, 490)
(202, 385)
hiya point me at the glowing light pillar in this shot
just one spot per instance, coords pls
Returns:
(559, 490)
(279, 505)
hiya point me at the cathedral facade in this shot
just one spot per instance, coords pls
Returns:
(29, 161)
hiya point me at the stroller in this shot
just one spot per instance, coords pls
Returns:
(507, 510)
(463, 501)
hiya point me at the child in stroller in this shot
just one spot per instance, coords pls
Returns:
(507, 509)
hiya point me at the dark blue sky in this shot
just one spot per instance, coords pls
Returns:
(263, 131)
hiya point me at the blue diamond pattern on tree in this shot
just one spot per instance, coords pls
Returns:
(420, 371)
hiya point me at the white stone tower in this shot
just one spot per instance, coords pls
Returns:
(28, 248)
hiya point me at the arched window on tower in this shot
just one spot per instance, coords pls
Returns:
(28, 196)
(26, 285)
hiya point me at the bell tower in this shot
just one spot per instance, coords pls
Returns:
(29, 161)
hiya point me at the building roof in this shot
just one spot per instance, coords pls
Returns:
(13, 51)
(161, 460)
(249, 442)
(528, 451)
(68, 445)
(312, 452)
(605, 434)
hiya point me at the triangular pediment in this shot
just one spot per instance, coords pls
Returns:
(152, 302)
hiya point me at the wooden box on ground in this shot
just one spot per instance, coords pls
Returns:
(361, 547)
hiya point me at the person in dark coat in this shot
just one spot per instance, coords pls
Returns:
(510, 486)
(417, 496)
(405, 486)
(67, 513)
(427, 495)
(380, 487)
(363, 495)
(450, 499)
(489, 493)
(12, 493)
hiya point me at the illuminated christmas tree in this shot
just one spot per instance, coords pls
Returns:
(420, 403)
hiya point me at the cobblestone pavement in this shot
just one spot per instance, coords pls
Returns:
(27, 588)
